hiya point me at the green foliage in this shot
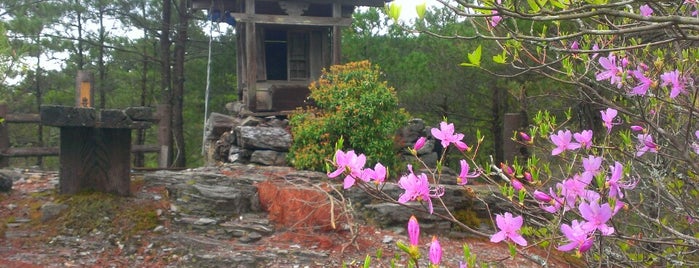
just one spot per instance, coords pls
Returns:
(351, 102)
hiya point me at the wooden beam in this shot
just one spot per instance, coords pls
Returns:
(32, 151)
(291, 20)
(23, 118)
(229, 4)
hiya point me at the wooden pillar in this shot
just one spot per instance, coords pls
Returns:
(251, 57)
(337, 36)
(95, 159)
(84, 90)
(163, 136)
(4, 137)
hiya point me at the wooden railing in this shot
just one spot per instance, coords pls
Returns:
(7, 152)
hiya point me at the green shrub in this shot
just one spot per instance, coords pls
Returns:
(350, 102)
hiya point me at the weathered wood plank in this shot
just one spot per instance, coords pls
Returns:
(27, 152)
(141, 114)
(22, 118)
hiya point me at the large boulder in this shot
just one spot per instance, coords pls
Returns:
(7, 178)
(264, 138)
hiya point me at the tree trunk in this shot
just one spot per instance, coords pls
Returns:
(139, 159)
(498, 112)
(100, 60)
(165, 124)
(178, 92)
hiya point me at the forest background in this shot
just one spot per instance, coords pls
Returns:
(149, 52)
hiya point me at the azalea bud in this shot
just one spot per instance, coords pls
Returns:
(420, 143)
(413, 231)
(517, 184)
(528, 176)
(525, 137)
(542, 197)
(507, 170)
(435, 252)
(636, 128)
(575, 45)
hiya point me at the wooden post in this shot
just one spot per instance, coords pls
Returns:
(251, 57)
(84, 91)
(4, 137)
(337, 36)
(95, 159)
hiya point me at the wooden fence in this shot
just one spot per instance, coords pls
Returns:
(7, 152)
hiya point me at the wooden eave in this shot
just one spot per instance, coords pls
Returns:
(228, 4)
(291, 20)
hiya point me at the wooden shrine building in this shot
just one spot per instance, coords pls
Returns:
(283, 45)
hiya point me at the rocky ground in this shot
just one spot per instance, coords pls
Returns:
(228, 216)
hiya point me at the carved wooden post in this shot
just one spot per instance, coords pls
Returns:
(4, 137)
(84, 91)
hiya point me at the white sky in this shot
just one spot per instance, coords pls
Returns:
(408, 10)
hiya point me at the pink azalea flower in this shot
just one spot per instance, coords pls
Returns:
(413, 231)
(645, 83)
(495, 20)
(562, 140)
(509, 228)
(645, 144)
(576, 187)
(595, 47)
(349, 163)
(596, 216)
(611, 70)
(614, 184)
(446, 135)
(578, 237)
(417, 188)
(435, 252)
(556, 201)
(420, 143)
(608, 118)
(673, 78)
(591, 166)
(464, 175)
(584, 138)
(378, 174)
(646, 11)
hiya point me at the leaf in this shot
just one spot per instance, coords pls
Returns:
(367, 261)
(533, 5)
(474, 58)
(420, 9)
(500, 58)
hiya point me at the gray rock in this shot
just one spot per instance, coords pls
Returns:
(206, 194)
(5, 184)
(218, 123)
(265, 138)
(268, 158)
(51, 210)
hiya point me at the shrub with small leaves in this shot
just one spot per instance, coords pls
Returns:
(351, 102)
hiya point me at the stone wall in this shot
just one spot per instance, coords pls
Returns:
(266, 141)
(263, 141)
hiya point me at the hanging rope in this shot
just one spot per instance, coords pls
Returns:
(208, 84)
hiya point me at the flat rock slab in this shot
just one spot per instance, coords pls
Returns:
(65, 116)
